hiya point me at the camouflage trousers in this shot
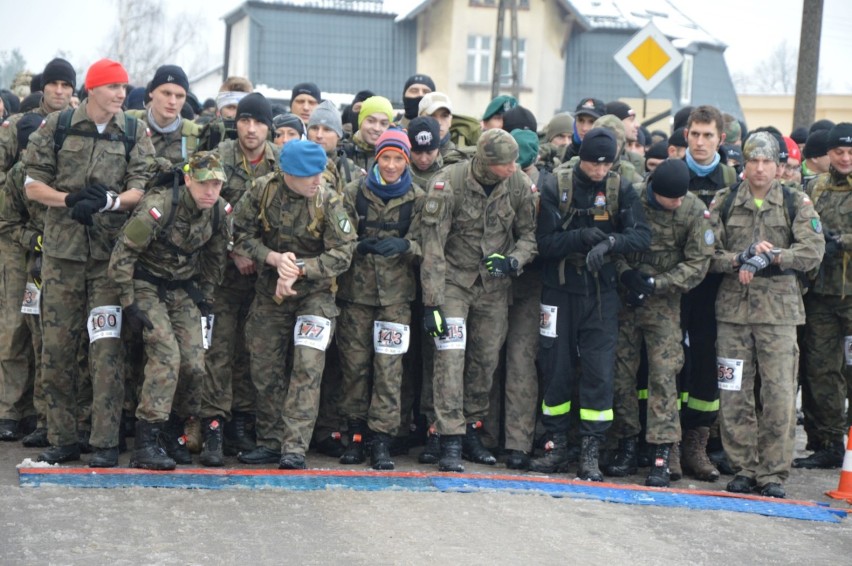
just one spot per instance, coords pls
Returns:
(287, 402)
(329, 420)
(514, 393)
(71, 289)
(462, 378)
(760, 442)
(829, 326)
(227, 385)
(657, 325)
(174, 351)
(372, 381)
(21, 385)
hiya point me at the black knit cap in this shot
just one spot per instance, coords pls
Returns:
(255, 106)
(659, 150)
(731, 151)
(59, 70)
(169, 74)
(519, 118)
(799, 135)
(598, 146)
(35, 83)
(419, 79)
(306, 88)
(820, 125)
(677, 138)
(817, 145)
(840, 135)
(681, 118)
(424, 134)
(670, 179)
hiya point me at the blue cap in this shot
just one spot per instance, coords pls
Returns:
(302, 158)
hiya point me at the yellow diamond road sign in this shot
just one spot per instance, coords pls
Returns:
(648, 58)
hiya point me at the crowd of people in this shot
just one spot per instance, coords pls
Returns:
(237, 279)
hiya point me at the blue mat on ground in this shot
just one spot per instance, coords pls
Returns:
(313, 480)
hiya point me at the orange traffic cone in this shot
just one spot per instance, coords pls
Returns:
(844, 488)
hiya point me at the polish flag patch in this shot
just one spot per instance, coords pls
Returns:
(228, 208)
(533, 188)
(706, 213)
(154, 211)
(148, 132)
(5, 123)
(439, 186)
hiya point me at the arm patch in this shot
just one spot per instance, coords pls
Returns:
(137, 232)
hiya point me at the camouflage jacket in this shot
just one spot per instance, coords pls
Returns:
(193, 246)
(373, 279)
(461, 225)
(682, 243)
(450, 153)
(274, 218)
(175, 147)
(773, 296)
(20, 218)
(832, 198)
(83, 161)
(9, 139)
(421, 178)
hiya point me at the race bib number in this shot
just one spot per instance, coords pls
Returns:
(207, 330)
(456, 337)
(312, 331)
(730, 373)
(847, 347)
(390, 337)
(104, 322)
(547, 322)
(32, 299)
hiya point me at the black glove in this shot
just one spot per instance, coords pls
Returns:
(634, 299)
(35, 243)
(758, 262)
(367, 246)
(592, 236)
(595, 257)
(833, 243)
(205, 308)
(35, 270)
(747, 254)
(499, 265)
(434, 322)
(97, 192)
(137, 319)
(638, 282)
(83, 211)
(392, 246)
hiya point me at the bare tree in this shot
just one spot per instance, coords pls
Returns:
(774, 75)
(11, 63)
(145, 38)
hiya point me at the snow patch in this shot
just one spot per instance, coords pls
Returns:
(29, 463)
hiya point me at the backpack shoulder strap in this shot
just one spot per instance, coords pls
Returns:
(565, 186)
(63, 124)
(729, 175)
(725, 210)
(130, 125)
(613, 188)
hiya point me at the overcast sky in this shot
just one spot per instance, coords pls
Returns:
(750, 28)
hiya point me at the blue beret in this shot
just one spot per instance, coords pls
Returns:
(302, 158)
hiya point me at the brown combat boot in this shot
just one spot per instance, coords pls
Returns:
(192, 431)
(675, 471)
(695, 460)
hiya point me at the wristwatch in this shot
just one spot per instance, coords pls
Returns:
(113, 201)
(514, 265)
(300, 263)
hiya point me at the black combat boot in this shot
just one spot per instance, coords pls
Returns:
(174, 441)
(380, 458)
(60, 454)
(556, 458)
(659, 475)
(451, 454)
(624, 462)
(518, 460)
(36, 439)
(355, 452)
(238, 435)
(104, 458)
(83, 436)
(292, 461)
(827, 456)
(432, 451)
(589, 452)
(128, 423)
(211, 446)
(8, 430)
(148, 454)
(260, 455)
(472, 448)
(27, 425)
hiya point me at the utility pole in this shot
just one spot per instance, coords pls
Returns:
(804, 108)
(498, 50)
(516, 82)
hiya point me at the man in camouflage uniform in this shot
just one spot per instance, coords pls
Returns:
(326, 129)
(828, 331)
(21, 226)
(587, 214)
(374, 296)
(166, 263)
(478, 228)
(375, 116)
(761, 244)
(299, 234)
(80, 185)
(680, 252)
(557, 136)
(426, 160)
(227, 393)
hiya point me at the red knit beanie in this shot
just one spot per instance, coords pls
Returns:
(394, 139)
(106, 72)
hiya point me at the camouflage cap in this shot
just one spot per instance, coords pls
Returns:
(497, 147)
(204, 166)
(614, 124)
(761, 145)
(733, 132)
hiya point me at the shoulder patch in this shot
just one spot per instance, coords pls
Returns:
(43, 124)
(5, 123)
(228, 208)
(806, 199)
(706, 213)
(343, 222)
(137, 232)
(148, 132)
(712, 204)
(533, 188)
(432, 206)
(709, 237)
(816, 225)
(439, 186)
(155, 212)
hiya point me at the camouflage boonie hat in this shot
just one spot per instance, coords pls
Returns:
(497, 147)
(614, 124)
(761, 144)
(204, 166)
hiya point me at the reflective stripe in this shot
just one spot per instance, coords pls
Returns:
(562, 409)
(592, 415)
(678, 404)
(642, 394)
(684, 397)
(703, 406)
